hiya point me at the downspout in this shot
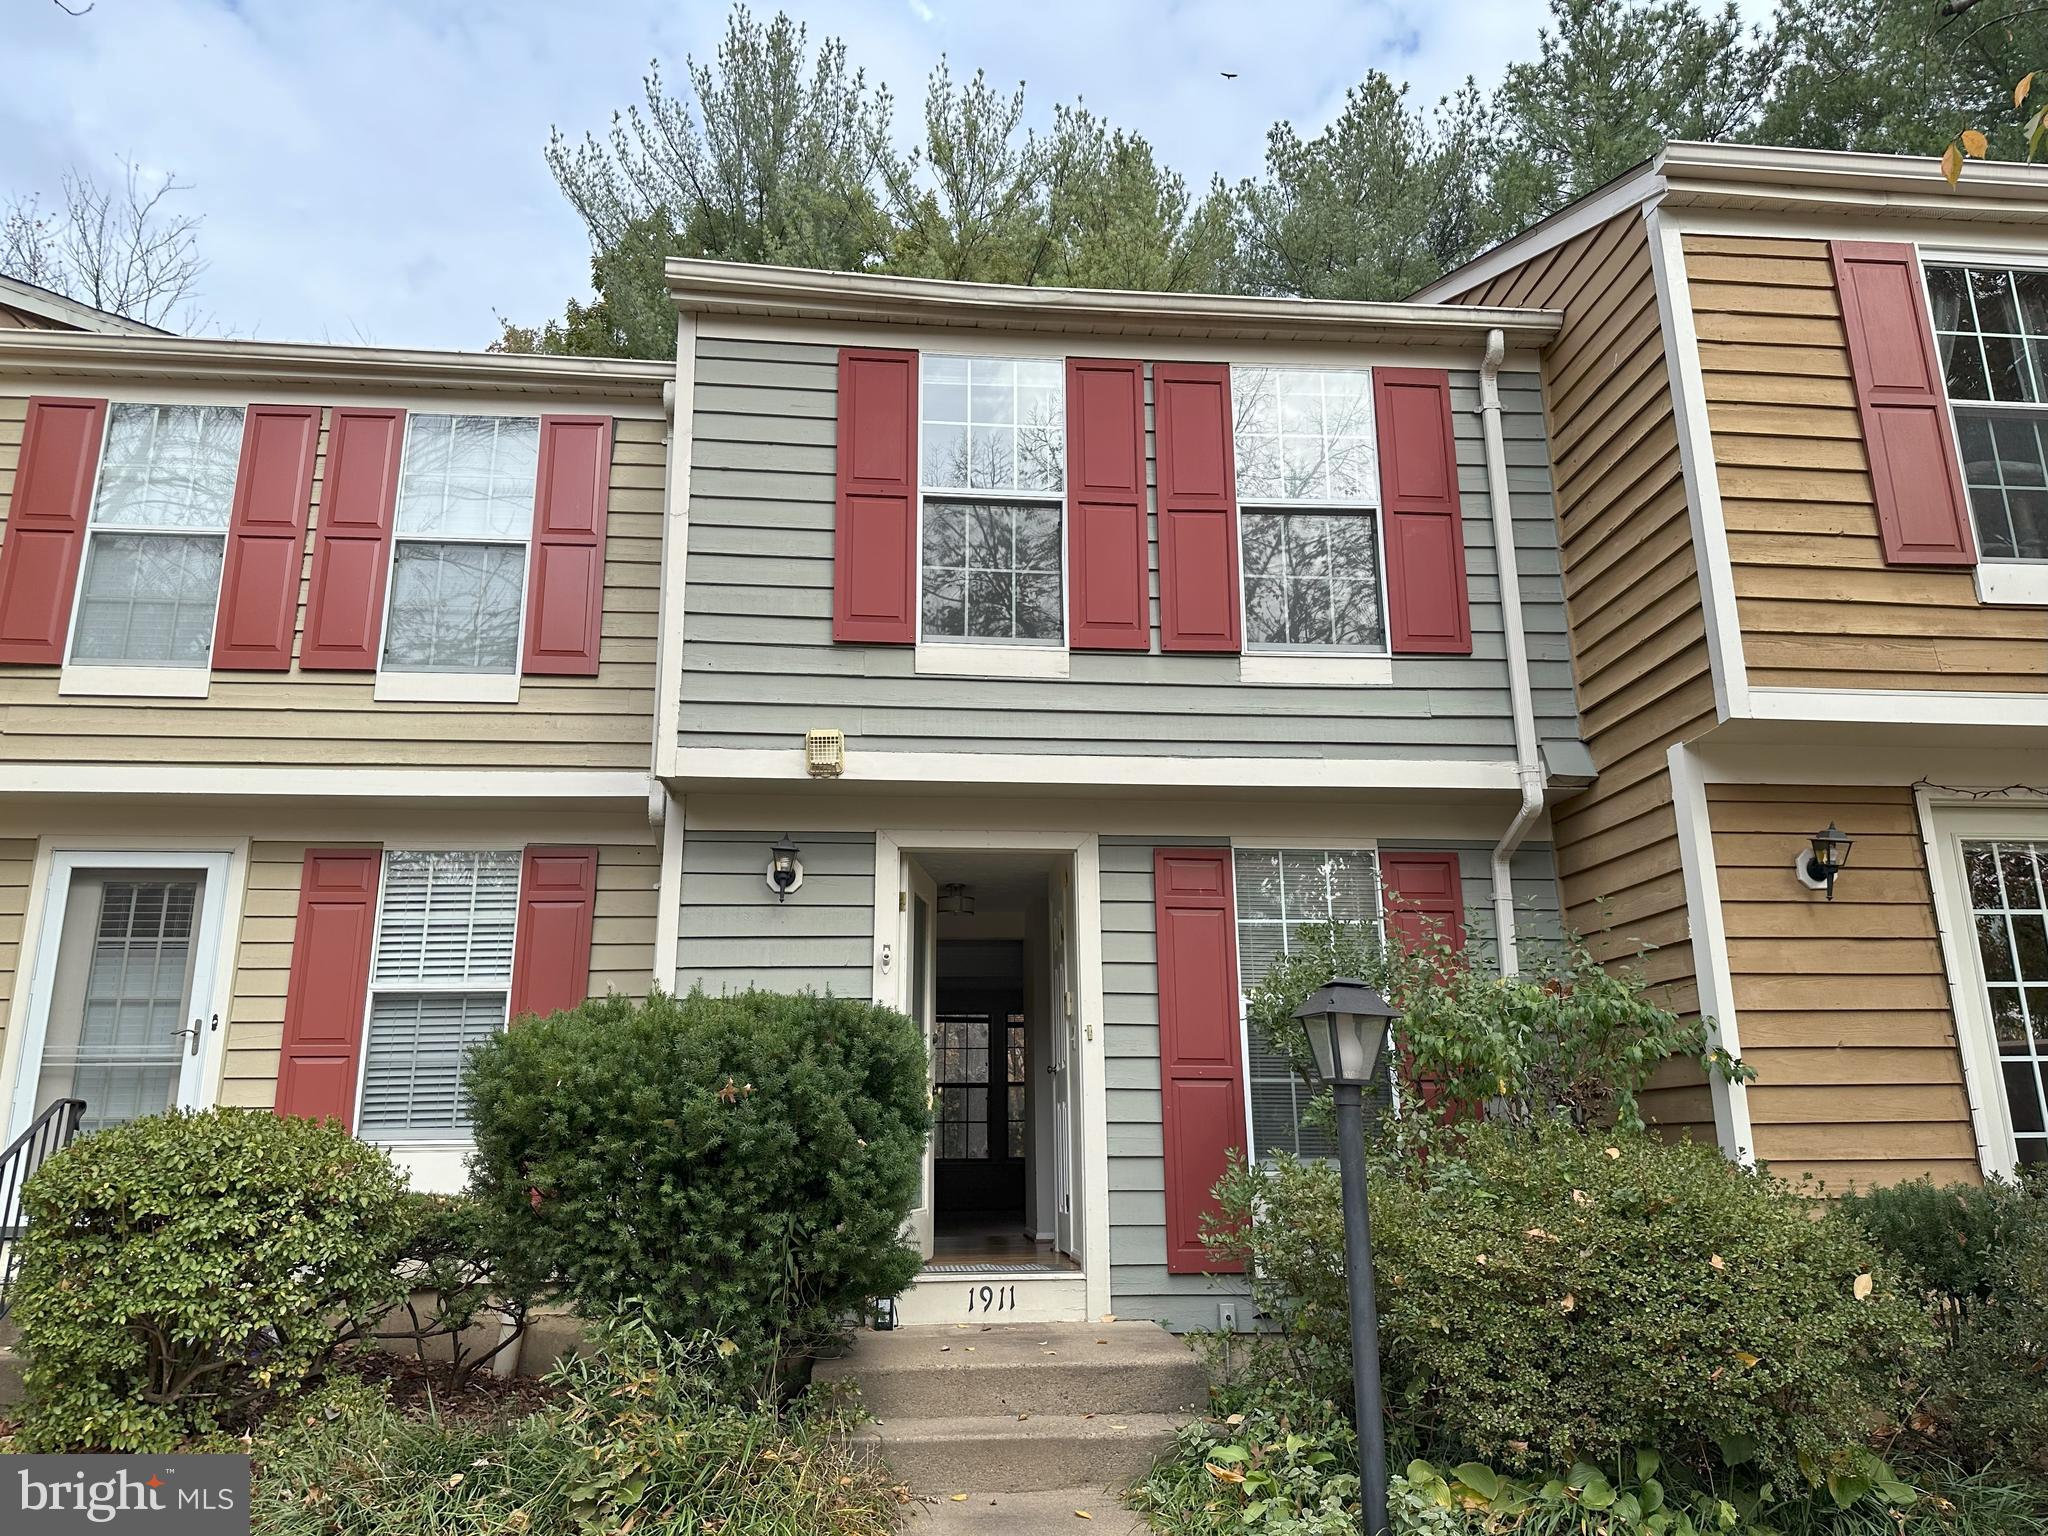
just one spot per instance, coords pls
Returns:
(1528, 761)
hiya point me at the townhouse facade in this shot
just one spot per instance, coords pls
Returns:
(1794, 400)
(1039, 663)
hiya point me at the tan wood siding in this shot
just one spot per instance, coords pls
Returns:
(1632, 601)
(17, 866)
(1819, 607)
(1844, 1004)
(621, 951)
(331, 719)
(12, 319)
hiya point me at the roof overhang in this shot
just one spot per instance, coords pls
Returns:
(191, 361)
(1765, 180)
(794, 293)
(61, 311)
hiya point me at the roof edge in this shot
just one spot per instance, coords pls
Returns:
(76, 354)
(799, 292)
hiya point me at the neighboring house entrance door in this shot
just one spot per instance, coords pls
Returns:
(120, 1012)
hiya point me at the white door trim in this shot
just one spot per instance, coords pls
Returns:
(226, 868)
(889, 987)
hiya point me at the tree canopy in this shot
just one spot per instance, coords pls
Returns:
(782, 151)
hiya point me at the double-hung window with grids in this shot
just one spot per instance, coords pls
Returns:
(149, 585)
(439, 983)
(1280, 893)
(1308, 497)
(992, 472)
(2009, 905)
(459, 558)
(1991, 326)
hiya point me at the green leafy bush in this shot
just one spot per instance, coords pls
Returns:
(1548, 1297)
(1259, 1471)
(469, 1288)
(741, 1165)
(179, 1270)
(1981, 1252)
(638, 1439)
(1565, 1037)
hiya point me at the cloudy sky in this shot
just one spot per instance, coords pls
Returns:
(370, 170)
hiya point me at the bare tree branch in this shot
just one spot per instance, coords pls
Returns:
(121, 248)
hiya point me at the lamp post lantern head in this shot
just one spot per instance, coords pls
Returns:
(1346, 1022)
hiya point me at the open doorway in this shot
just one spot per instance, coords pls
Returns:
(999, 1156)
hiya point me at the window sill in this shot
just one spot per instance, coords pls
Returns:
(447, 688)
(1301, 669)
(88, 681)
(432, 1167)
(2013, 583)
(992, 660)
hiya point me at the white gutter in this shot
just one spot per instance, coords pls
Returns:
(1528, 762)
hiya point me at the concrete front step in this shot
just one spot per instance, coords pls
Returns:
(1007, 1454)
(1059, 1368)
(1089, 1510)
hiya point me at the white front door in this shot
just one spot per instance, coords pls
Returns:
(920, 903)
(120, 996)
(1066, 1048)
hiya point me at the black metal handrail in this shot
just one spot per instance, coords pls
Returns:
(50, 1134)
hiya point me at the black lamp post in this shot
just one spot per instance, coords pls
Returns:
(1347, 1030)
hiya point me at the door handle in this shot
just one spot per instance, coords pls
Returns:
(195, 1032)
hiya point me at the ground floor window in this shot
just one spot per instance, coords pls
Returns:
(439, 982)
(2008, 883)
(1280, 892)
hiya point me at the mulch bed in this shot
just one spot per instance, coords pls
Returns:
(418, 1387)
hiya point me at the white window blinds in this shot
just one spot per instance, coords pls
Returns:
(438, 985)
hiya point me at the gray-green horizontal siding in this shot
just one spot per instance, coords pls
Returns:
(1140, 1286)
(760, 666)
(736, 935)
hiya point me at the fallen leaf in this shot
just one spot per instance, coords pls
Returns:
(1082, 1514)
(1570, 1301)
(1863, 1287)
(1612, 1152)
(1974, 143)
(1223, 1474)
(1234, 1420)
(1580, 1197)
(1745, 1357)
(1717, 1261)
(1538, 1232)
(959, 1498)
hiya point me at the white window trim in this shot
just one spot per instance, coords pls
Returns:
(954, 657)
(427, 1158)
(959, 656)
(2000, 583)
(86, 679)
(402, 686)
(1945, 824)
(1315, 669)
(1255, 844)
(1336, 665)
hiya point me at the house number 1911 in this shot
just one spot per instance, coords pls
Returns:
(991, 1298)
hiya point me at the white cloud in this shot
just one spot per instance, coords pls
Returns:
(371, 169)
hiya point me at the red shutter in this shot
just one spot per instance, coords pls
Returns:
(1201, 1057)
(874, 540)
(1108, 591)
(330, 983)
(1423, 898)
(1427, 606)
(1923, 515)
(565, 598)
(352, 545)
(551, 951)
(259, 590)
(44, 537)
(1198, 599)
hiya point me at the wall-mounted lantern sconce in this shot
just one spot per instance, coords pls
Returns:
(785, 870)
(1819, 866)
(958, 899)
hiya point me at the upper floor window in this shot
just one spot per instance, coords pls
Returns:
(439, 983)
(1281, 892)
(1308, 500)
(458, 569)
(157, 536)
(1991, 324)
(993, 475)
